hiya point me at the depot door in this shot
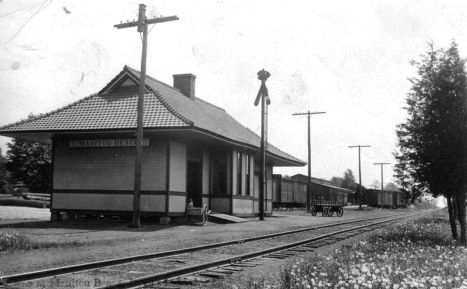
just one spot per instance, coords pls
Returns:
(194, 183)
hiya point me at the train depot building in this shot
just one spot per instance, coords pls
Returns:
(192, 150)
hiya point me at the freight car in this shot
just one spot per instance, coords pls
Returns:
(385, 199)
(325, 196)
(288, 193)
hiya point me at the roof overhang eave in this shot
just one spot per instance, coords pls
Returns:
(276, 160)
(46, 135)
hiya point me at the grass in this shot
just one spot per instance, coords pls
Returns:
(12, 241)
(418, 254)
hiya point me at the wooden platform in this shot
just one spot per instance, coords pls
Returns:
(224, 218)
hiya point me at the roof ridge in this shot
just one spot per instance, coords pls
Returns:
(170, 108)
(42, 115)
(213, 105)
(159, 96)
(153, 79)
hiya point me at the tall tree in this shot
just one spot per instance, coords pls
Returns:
(28, 163)
(4, 175)
(337, 181)
(431, 141)
(346, 182)
(349, 180)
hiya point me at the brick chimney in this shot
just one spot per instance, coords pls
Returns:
(185, 83)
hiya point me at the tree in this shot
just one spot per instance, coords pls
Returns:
(349, 180)
(431, 156)
(375, 185)
(28, 163)
(337, 181)
(4, 175)
(346, 182)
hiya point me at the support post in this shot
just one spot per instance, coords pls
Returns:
(142, 27)
(360, 172)
(382, 184)
(262, 95)
(308, 184)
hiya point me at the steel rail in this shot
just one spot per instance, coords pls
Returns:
(27, 276)
(231, 260)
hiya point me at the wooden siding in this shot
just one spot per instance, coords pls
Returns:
(244, 173)
(108, 168)
(252, 175)
(110, 202)
(256, 186)
(178, 159)
(177, 204)
(107, 202)
(221, 205)
(234, 172)
(242, 207)
(229, 174)
(155, 203)
(206, 162)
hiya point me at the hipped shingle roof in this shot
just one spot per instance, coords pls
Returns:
(164, 107)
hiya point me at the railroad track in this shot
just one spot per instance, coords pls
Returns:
(176, 265)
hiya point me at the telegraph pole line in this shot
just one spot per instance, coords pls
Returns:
(308, 186)
(263, 95)
(382, 187)
(360, 171)
(142, 27)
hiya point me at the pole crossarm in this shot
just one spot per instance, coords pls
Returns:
(308, 187)
(309, 113)
(147, 21)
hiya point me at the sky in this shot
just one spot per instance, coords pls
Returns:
(350, 59)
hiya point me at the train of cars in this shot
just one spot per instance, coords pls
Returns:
(326, 197)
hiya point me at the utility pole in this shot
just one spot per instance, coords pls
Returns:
(263, 95)
(382, 186)
(142, 27)
(308, 186)
(360, 172)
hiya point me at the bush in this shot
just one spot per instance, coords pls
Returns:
(13, 240)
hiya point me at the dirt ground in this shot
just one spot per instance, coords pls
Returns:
(13, 214)
(80, 242)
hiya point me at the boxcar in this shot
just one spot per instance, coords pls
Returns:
(325, 197)
(384, 199)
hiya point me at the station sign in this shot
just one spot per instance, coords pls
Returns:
(97, 143)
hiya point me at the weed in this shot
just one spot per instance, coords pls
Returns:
(418, 254)
(13, 240)
(10, 240)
